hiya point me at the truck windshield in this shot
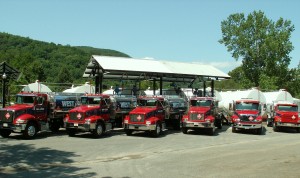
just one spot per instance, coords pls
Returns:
(90, 100)
(205, 103)
(247, 106)
(288, 108)
(25, 99)
(151, 103)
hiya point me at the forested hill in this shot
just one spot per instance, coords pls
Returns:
(48, 62)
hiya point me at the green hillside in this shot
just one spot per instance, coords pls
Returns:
(48, 62)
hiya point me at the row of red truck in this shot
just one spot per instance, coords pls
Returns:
(100, 113)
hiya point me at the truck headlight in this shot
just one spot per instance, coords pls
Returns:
(87, 121)
(21, 121)
(148, 122)
(126, 121)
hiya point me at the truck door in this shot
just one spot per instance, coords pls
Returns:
(40, 109)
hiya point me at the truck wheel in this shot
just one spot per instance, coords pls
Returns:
(211, 132)
(98, 132)
(184, 130)
(269, 122)
(220, 124)
(259, 131)
(275, 128)
(157, 131)
(71, 132)
(298, 130)
(30, 131)
(5, 133)
(128, 132)
(54, 127)
(233, 129)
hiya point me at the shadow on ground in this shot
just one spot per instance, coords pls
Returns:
(24, 160)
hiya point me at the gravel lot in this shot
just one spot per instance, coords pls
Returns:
(174, 154)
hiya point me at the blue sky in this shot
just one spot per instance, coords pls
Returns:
(172, 30)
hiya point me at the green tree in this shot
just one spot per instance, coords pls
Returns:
(263, 46)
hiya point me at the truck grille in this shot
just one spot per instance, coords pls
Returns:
(6, 116)
(246, 118)
(137, 118)
(196, 116)
(76, 116)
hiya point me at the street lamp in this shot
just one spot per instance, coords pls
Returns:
(4, 76)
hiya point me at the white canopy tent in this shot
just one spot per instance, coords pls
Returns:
(36, 87)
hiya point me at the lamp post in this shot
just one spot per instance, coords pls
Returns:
(3, 89)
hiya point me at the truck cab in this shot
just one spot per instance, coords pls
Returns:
(285, 114)
(28, 115)
(247, 116)
(149, 115)
(96, 114)
(202, 114)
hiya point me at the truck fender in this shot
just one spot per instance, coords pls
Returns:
(27, 117)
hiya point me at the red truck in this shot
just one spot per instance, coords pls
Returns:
(96, 114)
(284, 114)
(247, 116)
(149, 115)
(31, 113)
(202, 114)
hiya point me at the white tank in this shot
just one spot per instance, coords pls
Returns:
(281, 95)
(227, 98)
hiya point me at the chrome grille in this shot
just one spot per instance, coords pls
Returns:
(137, 117)
(195, 116)
(74, 116)
(6, 116)
(246, 118)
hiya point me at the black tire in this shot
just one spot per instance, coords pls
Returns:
(71, 132)
(220, 124)
(99, 130)
(128, 132)
(30, 131)
(259, 131)
(275, 128)
(211, 132)
(298, 130)
(269, 122)
(234, 130)
(5, 133)
(157, 131)
(54, 127)
(184, 130)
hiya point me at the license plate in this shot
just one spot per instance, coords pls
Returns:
(76, 124)
(246, 127)
(5, 125)
(289, 124)
(196, 124)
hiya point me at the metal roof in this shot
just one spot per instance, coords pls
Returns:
(141, 69)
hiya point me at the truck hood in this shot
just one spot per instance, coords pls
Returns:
(247, 112)
(18, 107)
(142, 110)
(199, 109)
(288, 115)
(84, 108)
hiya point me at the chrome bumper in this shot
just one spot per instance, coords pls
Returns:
(280, 124)
(14, 128)
(247, 126)
(139, 127)
(198, 125)
(83, 127)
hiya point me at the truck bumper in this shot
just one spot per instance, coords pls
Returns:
(12, 127)
(198, 125)
(81, 127)
(280, 124)
(247, 126)
(139, 127)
